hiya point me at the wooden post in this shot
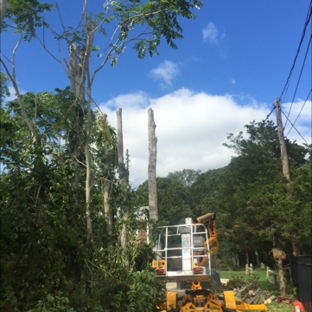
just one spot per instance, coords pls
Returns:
(280, 130)
(286, 173)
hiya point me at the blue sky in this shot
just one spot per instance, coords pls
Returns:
(231, 65)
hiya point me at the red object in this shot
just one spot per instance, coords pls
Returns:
(298, 304)
(287, 300)
(198, 270)
(160, 271)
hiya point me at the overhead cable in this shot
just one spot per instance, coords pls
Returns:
(298, 50)
(293, 126)
(302, 67)
(272, 110)
(300, 112)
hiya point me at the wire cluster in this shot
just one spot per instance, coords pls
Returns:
(291, 72)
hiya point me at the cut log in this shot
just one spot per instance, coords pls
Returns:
(251, 292)
(270, 300)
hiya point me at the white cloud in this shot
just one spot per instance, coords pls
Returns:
(166, 72)
(210, 33)
(12, 95)
(191, 128)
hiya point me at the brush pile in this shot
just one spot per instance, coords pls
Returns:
(249, 291)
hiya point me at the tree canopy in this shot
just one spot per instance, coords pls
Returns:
(64, 195)
(64, 198)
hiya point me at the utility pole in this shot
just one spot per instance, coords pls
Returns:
(284, 156)
(280, 130)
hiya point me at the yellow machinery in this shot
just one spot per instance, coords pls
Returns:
(183, 254)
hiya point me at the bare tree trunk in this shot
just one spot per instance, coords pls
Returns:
(235, 260)
(106, 185)
(279, 255)
(88, 174)
(107, 211)
(3, 4)
(295, 245)
(152, 184)
(78, 71)
(109, 223)
(123, 176)
(257, 258)
(12, 77)
(247, 258)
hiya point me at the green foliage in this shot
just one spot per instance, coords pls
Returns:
(45, 252)
(299, 206)
(251, 197)
(4, 90)
(43, 242)
(186, 176)
(27, 16)
(143, 293)
(53, 304)
(145, 23)
(257, 201)
(172, 196)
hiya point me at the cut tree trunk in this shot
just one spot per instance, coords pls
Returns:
(78, 70)
(152, 184)
(106, 187)
(279, 255)
(3, 4)
(123, 176)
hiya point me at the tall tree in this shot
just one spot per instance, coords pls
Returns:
(143, 24)
(160, 20)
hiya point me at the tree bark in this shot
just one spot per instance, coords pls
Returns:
(88, 173)
(279, 255)
(78, 72)
(3, 5)
(107, 211)
(106, 186)
(123, 176)
(152, 184)
(257, 258)
(247, 258)
(13, 79)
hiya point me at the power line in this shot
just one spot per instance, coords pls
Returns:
(298, 50)
(272, 110)
(298, 81)
(293, 126)
(299, 112)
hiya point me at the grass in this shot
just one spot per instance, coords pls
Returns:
(227, 273)
(280, 307)
(263, 283)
